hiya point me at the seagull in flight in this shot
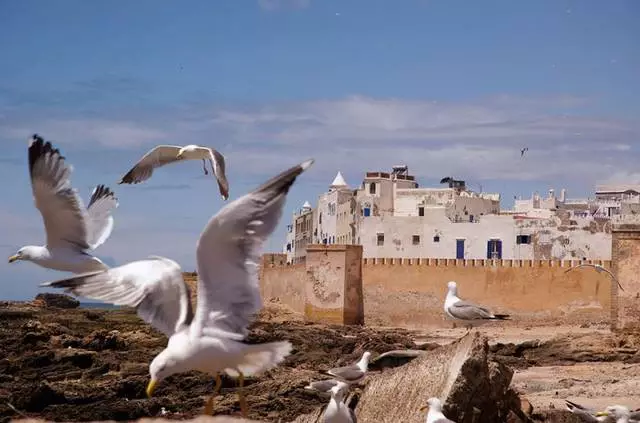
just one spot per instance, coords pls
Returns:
(211, 338)
(524, 150)
(599, 268)
(165, 154)
(72, 231)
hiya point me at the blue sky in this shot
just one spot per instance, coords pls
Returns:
(448, 87)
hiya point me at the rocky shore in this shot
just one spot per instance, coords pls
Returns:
(75, 364)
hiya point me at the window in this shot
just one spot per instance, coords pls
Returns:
(523, 239)
(471, 218)
(420, 211)
(320, 218)
(289, 246)
(436, 238)
(416, 240)
(380, 239)
(372, 188)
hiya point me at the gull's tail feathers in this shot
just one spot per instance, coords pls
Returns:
(259, 358)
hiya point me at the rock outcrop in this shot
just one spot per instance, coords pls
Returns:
(473, 387)
(56, 300)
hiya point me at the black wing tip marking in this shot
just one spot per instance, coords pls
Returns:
(38, 148)
(99, 192)
(284, 180)
(501, 317)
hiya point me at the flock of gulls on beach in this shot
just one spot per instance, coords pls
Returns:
(210, 338)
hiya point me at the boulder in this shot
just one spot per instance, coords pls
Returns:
(56, 300)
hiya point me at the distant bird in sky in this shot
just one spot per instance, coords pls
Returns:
(165, 154)
(600, 268)
(72, 230)
(524, 150)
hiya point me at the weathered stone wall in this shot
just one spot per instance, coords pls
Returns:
(626, 266)
(410, 292)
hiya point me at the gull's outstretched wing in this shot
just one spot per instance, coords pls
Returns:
(156, 157)
(228, 255)
(217, 161)
(63, 213)
(153, 286)
(101, 206)
(599, 268)
(468, 311)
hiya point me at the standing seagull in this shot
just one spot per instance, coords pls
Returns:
(524, 150)
(469, 313)
(353, 373)
(337, 411)
(72, 230)
(600, 268)
(227, 253)
(435, 414)
(164, 154)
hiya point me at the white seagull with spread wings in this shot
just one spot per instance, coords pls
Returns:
(228, 252)
(72, 230)
(165, 154)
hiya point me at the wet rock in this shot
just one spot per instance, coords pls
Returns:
(33, 400)
(35, 337)
(78, 358)
(104, 340)
(94, 315)
(56, 300)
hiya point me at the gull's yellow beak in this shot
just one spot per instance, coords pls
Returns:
(424, 407)
(13, 258)
(602, 413)
(151, 386)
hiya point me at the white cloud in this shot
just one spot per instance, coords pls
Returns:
(108, 133)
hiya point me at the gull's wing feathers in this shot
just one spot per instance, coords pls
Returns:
(101, 206)
(468, 311)
(322, 385)
(156, 157)
(153, 286)
(228, 254)
(347, 373)
(63, 213)
(217, 161)
(599, 268)
(586, 414)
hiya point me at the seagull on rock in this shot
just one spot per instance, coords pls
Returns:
(353, 373)
(72, 230)
(165, 154)
(468, 313)
(228, 253)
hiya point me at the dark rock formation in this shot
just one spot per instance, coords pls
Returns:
(56, 300)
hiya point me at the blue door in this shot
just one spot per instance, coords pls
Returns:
(367, 212)
(459, 248)
(494, 249)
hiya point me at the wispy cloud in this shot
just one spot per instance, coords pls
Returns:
(479, 139)
(278, 4)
